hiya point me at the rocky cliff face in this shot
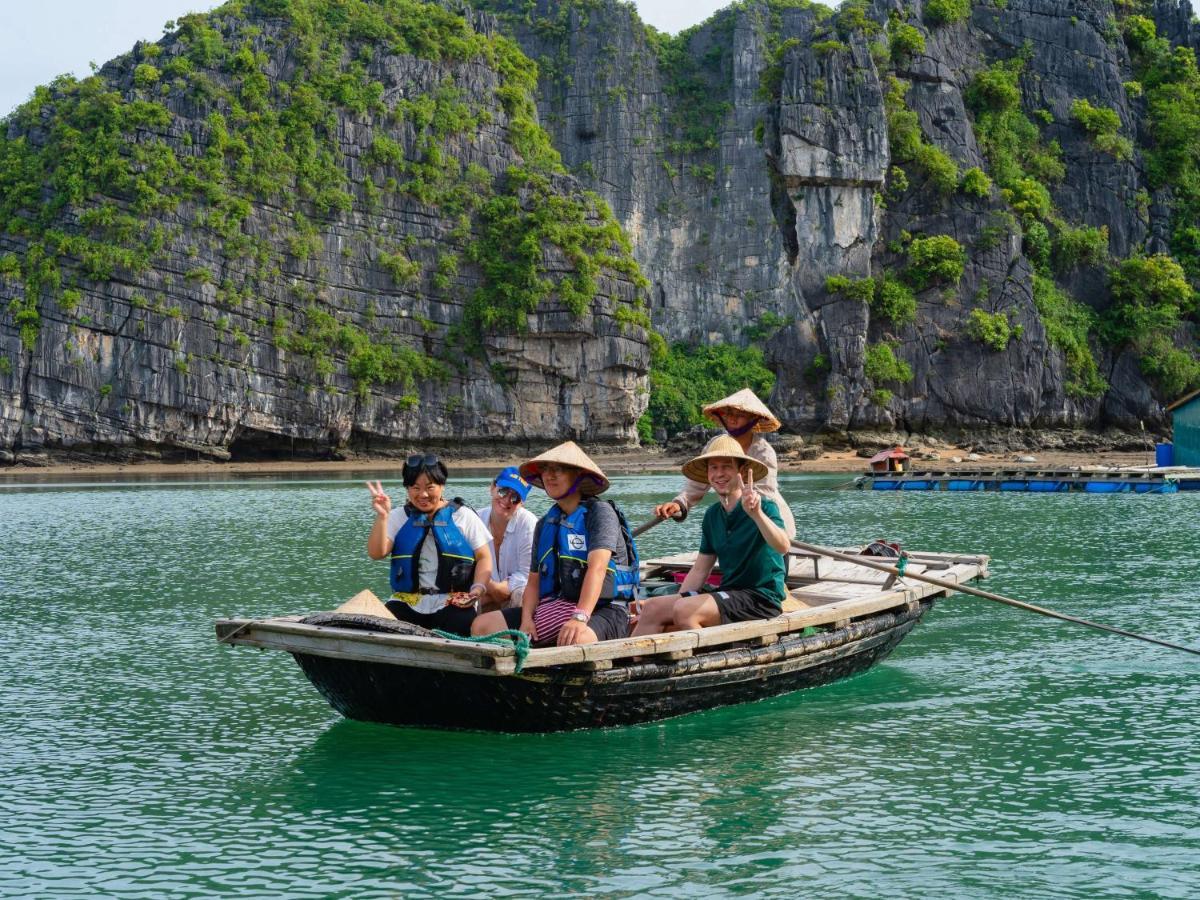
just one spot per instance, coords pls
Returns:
(902, 203)
(296, 239)
(750, 160)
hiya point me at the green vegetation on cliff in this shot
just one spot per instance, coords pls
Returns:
(684, 378)
(1103, 126)
(515, 228)
(881, 366)
(887, 296)
(908, 144)
(1150, 296)
(99, 167)
(993, 329)
(1025, 167)
(1153, 295)
(1068, 324)
(946, 12)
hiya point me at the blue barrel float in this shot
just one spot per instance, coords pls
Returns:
(964, 484)
(1157, 487)
(1048, 487)
(1107, 487)
(1164, 454)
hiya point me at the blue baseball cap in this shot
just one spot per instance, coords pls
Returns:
(511, 478)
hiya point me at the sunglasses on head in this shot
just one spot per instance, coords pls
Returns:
(420, 460)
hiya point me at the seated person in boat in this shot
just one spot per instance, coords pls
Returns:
(439, 549)
(744, 533)
(583, 570)
(746, 419)
(511, 527)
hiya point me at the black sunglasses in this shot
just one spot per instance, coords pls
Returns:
(421, 461)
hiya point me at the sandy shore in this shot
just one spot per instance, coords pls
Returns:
(613, 463)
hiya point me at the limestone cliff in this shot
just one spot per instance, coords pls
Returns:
(301, 227)
(307, 224)
(754, 157)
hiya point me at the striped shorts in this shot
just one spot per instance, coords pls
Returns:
(609, 620)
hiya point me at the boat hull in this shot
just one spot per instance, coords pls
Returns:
(566, 698)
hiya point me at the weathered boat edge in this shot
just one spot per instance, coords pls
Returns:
(566, 698)
(851, 617)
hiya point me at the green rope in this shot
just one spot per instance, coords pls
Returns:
(519, 639)
(902, 564)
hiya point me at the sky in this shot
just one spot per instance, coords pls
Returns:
(40, 41)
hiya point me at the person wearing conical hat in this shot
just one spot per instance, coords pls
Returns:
(746, 419)
(583, 570)
(743, 533)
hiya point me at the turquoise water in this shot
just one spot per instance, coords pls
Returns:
(995, 753)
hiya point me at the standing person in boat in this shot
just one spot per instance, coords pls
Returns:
(744, 533)
(439, 549)
(746, 419)
(511, 527)
(583, 570)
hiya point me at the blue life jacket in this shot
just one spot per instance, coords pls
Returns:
(562, 557)
(456, 559)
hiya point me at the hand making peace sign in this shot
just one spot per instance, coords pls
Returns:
(750, 499)
(380, 501)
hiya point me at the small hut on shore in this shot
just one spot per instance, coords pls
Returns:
(1185, 413)
(893, 460)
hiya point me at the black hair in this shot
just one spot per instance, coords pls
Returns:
(428, 465)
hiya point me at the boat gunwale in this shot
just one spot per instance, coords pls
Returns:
(566, 698)
(751, 657)
(289, 634)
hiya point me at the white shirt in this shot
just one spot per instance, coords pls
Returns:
(516, 550)
(475, 532)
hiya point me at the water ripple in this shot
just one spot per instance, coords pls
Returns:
(995, 752)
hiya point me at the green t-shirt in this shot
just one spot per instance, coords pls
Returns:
(747, 561)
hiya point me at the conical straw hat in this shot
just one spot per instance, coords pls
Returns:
(746, 401)
(365, 603)
(722, 447)
(567, 454)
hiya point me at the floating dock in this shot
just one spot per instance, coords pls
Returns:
(1140, 480)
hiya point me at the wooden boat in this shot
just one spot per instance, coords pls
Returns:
(841, 619)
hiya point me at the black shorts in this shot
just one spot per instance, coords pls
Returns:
(609, 621)
(745, 606)
(455, 619)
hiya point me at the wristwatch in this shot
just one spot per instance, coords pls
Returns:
(580, 616)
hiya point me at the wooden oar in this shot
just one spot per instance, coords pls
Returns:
(650, 523)
(646, 526)
(869, 563)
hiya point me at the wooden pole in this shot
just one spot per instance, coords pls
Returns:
(880, 566)
(646, 526)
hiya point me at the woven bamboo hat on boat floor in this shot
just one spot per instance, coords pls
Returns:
(722, 447)
(745, 401)
(592, 482)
